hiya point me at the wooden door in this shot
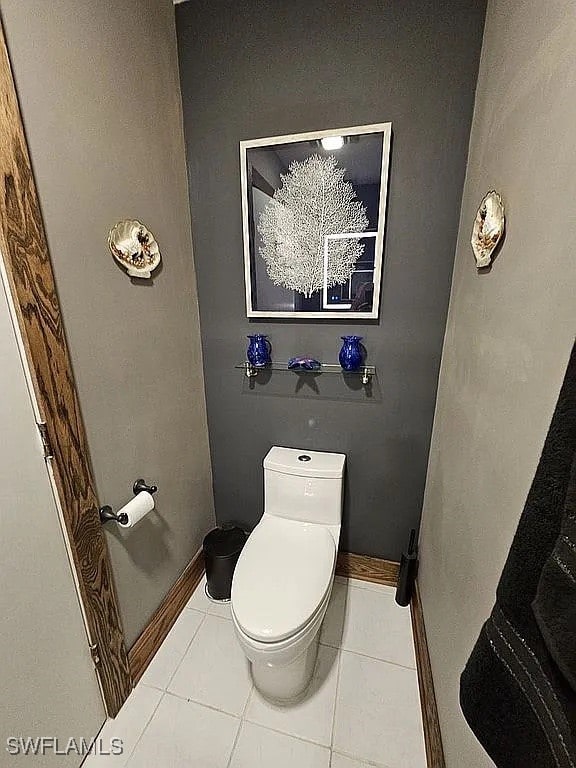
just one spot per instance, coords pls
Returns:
(28, 270)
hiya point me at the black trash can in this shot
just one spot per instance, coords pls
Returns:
(222, 548)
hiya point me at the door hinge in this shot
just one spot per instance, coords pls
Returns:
(95, 654)
(45, 437)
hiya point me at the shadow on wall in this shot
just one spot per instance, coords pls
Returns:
(319, 386)
(388, 482)
(147, 543)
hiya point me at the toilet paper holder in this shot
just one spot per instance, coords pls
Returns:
(107, 513)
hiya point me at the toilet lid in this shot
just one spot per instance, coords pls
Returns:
(281, 578)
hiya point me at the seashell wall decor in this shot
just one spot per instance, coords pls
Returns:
(488, 228)
(134, 247)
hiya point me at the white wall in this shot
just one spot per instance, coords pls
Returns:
(508, 337)
(47, 682)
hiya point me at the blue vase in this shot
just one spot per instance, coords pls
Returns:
(258, 352)
(351, 355)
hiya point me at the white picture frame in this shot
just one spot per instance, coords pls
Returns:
(254, 269)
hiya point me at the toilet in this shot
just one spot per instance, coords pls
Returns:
(284, 575)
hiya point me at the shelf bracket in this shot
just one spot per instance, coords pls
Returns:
(250, 370)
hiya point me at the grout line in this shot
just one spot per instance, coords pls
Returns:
(380, 661)
(207, 612)
(149, 685)
(189, 607)
(277, 730)
(248, 700)
(194, 610)
(242, 721)
(235, 743)
(139, 739)
(335, 701)
(290, 735)
(367, 656)
(211, 608)
(359, 759)
(219, 616)
(194, 636)
(202, 704)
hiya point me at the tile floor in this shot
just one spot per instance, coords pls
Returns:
(196, 704)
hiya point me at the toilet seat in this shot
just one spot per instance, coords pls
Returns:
(282, 578)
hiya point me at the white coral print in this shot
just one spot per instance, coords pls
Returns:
(312, 201)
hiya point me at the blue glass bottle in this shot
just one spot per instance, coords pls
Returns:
(351, 355)
(259, 349)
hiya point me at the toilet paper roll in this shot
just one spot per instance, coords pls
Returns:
(136, 509)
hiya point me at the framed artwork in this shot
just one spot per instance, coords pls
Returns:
(313, 214)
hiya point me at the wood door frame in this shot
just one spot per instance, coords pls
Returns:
(33, 296)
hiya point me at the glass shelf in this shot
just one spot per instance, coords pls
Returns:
(365, 371)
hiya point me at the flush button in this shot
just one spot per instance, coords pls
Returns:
(303, 457)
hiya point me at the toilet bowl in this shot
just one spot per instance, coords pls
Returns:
(284, 576)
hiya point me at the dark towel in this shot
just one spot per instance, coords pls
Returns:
(512, 693)
(555, 603)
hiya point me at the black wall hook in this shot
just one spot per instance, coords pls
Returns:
(107, 514)
(141, 485)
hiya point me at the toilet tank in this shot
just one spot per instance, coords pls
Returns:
(304, 485)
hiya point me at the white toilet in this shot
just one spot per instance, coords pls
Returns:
(283, 579)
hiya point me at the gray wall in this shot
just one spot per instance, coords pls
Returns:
(256, 69)
(98, 85)
(508, 337)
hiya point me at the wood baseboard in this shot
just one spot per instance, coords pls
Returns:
(367, 568)
(154, 634)
(430, 721)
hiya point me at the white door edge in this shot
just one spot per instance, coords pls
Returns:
(39, 418)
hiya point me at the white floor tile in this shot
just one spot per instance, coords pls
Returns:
(369, 622)
(183, 734)
(170, 653)
(310, 719)
(199, 602)
(361, 584)
(378, 713)
(258, 747)
(128, 726)
(377, 723)
(214, 670)
(341, 761)
(220, 609)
